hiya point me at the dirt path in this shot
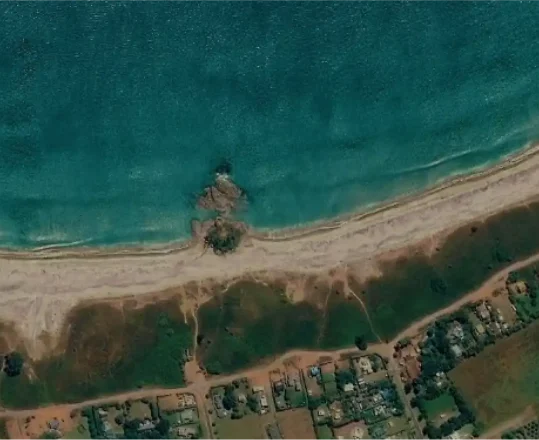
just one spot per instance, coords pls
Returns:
(201, 385)
(356, 296)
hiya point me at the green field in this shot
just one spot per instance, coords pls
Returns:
(324, 432)
(107, 350)
(443, 404)
(253, 321)
(503, 380)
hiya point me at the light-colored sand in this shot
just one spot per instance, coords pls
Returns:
(38, 289)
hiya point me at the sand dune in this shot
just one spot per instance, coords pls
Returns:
(41, 287)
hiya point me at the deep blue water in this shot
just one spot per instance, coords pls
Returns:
(113, 116)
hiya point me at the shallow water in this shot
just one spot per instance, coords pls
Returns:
(113, 116)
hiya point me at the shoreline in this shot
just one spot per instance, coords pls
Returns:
(39, 289)
(60, 251)
(485, 290)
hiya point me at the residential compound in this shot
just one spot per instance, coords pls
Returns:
(355, 398)
(166, 416)
(351, 397)
(427, 360)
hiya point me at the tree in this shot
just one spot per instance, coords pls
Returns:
(163, 427)
(13, 364)
(252, 403)
(361, 343)
(407, 388)
(223, 237)
(51, 434)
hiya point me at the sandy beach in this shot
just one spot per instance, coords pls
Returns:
(39, 288)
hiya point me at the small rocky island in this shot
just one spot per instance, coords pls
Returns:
(223, 234)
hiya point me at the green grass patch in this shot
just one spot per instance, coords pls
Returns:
(503, 380)
(345, 319)
(330, 390)
(527, 308)
(252, 321)
(296, 398)
(323, 432)
(108, 350)
(443, 404)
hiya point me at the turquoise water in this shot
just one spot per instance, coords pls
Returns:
(113, 116)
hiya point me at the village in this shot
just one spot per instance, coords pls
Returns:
(358, 394)
(427, 359)
(352, 397)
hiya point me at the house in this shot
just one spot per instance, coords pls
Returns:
(377, 398)
(242, 398)
(107, 427)
(189, 400)
(314, 371)
(518, 288)
(455, 332)
(363, 366)
(218, 404)
(457, 350)
(294, 380)
(348, 387)
(278, 386)
(483, 312)
(479, 329)
(440, 379)
(379, 410)
(263, 400)
(146, 425)
(187, 432)
(258, 389)
(357, 433)
(336, 410)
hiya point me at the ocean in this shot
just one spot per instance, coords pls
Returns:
(113, 116)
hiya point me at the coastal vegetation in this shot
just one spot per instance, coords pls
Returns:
(108, 349)
(13, 363)
(503, 380)
(253, 321)
(223, 237)
(416, 285)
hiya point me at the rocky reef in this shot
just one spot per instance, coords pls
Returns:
(222, 233)
(224, 196)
